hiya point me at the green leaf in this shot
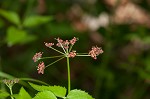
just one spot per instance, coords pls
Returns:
(57, 90)
(18, 36)
(10, 16)
(78, 94)
(3, 94)
(36, 20)
(45, 95)
(23, 94)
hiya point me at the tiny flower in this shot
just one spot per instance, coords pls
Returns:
(60, 41)
(49, 44)
(95, 52)
(10, 83)
(41, 68)
(73, 41)
(65, 44)
(72, 54)
(37, 56)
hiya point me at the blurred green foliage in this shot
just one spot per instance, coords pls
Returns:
(121, 72)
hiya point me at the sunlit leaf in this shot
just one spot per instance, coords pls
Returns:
(23, 94)
(78, 94)
(57, 90)
(45, 95)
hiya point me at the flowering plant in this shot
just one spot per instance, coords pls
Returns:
(67, 46)
(53, 92)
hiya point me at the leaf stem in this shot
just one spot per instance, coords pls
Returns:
(54, 62)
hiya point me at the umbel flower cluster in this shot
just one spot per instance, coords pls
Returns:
(10, 83)
(66, 45)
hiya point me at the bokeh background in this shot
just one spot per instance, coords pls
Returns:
(120, 27)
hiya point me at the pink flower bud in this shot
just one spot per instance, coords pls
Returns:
(41, 68)
(95, 52)
(49, 44)
(37, 56)
(72, 54)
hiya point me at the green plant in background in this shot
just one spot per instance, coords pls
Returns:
(17, 32)
(54, 92)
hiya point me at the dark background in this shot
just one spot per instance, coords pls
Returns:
(120, 27)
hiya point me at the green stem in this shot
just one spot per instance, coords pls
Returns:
(83, 55)
(34, 80)
(11, 93)
(68, 68)
(51, 57)
(57, 50)
(70, 48)
(54, 62)
(62, 47)
(29, 7)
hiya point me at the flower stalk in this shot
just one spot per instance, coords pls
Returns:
(54, 62)
(11, 93)
(68, 69)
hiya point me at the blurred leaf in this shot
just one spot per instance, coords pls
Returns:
(1, 23)
(143, 74)
(36, 20)
(23, 94)
(57, 90)
(3, 94)
(147, 63)
(61, 29)
(78, 94)
(4, 75)
(18, 36)
(146, 39)
(45, 95)
(132, 36)
(10, 16)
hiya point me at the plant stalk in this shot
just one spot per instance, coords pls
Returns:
(11, 93)
(68, 68)
(51, 57)
(57, 50)
(54, 62)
